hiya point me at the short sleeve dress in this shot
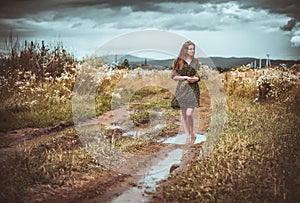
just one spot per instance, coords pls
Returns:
(187, 94)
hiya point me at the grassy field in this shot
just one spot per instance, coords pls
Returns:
(255, 160)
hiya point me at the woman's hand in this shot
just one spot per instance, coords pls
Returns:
(193, 79)
(186, 78)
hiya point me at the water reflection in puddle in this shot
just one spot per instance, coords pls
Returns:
(112, 127)
(148, 183)
(157, 172)
(160, 171)
(181, 138)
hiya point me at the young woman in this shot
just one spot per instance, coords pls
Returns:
(187, 93)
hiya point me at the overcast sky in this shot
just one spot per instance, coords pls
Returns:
(219, 28)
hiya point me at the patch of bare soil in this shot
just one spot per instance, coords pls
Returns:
(88, 187)
(15, 137)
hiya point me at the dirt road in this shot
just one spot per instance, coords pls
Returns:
(141, 173)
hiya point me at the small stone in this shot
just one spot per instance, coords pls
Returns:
(173, 168)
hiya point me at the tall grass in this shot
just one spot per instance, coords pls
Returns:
(257, 158)
(36, 86)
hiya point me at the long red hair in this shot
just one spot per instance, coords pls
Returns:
(179, 61)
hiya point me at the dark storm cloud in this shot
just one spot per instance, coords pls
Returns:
(288, 7)
(290, 25)
(113, 12)
(136, 5)
(18, 8)
(21, 8)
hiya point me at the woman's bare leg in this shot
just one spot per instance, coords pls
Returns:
(186, 130)
(188, 124)
(190, 121)
(185, 121)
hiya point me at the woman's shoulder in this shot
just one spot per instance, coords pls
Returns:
(195, 63)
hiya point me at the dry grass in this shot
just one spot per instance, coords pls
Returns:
(261, 84)
(256, 159)
(54, 162)
(36, 85)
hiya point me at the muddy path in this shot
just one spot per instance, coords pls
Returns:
(172, 159)
(140, 174)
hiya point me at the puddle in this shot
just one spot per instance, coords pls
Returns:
(133, 195)
(148, 183)
(160, 171)
(180, 139)
(154, 130)
(112, 127)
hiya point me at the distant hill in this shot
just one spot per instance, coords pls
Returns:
(222, 62)
(227, 63)
(234, 61)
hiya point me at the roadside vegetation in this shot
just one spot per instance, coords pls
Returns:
(257, 158)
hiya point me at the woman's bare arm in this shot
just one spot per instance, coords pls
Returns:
(179, 77)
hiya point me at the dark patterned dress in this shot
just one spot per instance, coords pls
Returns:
(187, 94)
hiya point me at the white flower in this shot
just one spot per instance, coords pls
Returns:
(116, 95)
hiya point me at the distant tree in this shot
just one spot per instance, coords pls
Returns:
(125, 64)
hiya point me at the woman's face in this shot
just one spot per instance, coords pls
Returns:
(190, 50)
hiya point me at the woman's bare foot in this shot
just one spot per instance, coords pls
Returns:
(193, 138)
(188, 140)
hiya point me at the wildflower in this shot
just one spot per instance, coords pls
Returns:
(17, 83)
(116, 95)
